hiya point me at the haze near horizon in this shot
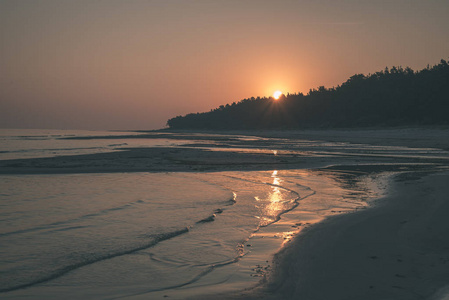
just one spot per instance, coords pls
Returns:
(134, 64)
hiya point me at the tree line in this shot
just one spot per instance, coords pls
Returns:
(391, 97)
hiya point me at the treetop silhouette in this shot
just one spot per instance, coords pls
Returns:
(392, 97)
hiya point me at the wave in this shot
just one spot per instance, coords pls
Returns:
(104, 137)
(206, 271)
(54, 149)
(156, 238)
(278, 216)
(211, 267)
(32, 136)
(211, 218)
(70, 221)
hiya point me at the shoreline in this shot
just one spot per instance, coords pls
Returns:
(394, 250)
(322, 196)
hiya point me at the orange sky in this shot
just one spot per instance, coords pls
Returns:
(116, 64)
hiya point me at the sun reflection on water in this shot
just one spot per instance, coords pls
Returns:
(276, 201)
(276, 191)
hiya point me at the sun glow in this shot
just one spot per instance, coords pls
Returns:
(277, 95)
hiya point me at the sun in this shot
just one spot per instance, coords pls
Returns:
(277, 95)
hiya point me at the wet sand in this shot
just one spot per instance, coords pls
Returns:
(234, 151)
(397, 249)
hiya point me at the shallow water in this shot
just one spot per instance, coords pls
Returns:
(148, 235)
(34, 143)
(125, 234)
(106, 228)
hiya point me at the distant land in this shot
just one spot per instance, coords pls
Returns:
(391, 97)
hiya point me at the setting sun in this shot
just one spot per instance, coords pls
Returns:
(277, 94)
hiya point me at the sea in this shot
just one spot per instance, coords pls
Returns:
(142, 235)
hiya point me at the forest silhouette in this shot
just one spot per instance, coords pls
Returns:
(392, 97)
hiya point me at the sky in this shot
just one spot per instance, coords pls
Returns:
(133, 64)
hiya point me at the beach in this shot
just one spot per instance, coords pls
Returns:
(358, 214)
(396, 250)
(211, 149)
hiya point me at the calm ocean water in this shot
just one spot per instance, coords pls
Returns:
(122, 234)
